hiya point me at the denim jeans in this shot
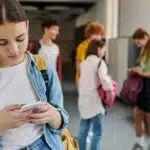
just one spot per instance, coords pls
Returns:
(39, 144)
(85, 124)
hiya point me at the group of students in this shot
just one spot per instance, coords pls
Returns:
(91, 66)
(89, 53)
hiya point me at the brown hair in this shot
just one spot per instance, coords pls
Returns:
(139, 34)
(94, 27)
(11, 11)
(47, 23)
(146, 52)
(93, 47)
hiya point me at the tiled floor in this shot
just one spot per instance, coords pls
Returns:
(118, 127)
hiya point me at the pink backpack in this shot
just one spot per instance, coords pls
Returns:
(132, 86)
(108, 102)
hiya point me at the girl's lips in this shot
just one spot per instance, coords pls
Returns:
(14, 56)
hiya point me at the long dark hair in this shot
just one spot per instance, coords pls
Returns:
(93, 47)
(146, 52)
(11, 11)
(140, 34)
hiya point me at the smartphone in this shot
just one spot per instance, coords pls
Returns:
(32, 106)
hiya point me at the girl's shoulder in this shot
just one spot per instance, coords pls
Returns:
(102, 65)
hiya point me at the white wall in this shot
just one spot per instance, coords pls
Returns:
(133, 14)
(118, 60)
(105, 11)
(98, 12)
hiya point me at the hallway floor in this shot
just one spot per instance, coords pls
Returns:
(118, 127)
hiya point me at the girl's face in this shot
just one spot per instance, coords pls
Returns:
(96, 36)
(140, 42)
(102, 51)
(13, 43)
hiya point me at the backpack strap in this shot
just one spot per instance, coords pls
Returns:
(100, 86)
(99, 64)
(40, 62)
(42, 67)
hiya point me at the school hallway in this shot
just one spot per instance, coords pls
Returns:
(118, 127)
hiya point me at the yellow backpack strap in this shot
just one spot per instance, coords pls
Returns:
(40, 62)
(69, 141)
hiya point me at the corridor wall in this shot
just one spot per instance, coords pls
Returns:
(122, 55)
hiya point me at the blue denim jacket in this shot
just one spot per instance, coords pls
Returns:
(55, 98)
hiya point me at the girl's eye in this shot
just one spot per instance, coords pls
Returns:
(20, 40)
(3, 42)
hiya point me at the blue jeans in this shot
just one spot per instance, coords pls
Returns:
(39, 144)
(85, 124)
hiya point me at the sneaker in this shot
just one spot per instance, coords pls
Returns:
(138, 147)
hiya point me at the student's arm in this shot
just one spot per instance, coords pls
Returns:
(141, 73)
(145, 74)
(56, 99)
(105, 79)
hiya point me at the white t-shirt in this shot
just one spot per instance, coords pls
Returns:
(89, 101)
(50, 53)
(15, 88)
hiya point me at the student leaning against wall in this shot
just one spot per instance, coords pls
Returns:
(142, 106)
(22, 83)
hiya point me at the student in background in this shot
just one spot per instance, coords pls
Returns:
(47, 48)
(93, 30)
(139, 38)
(89, 102)
(142, 107)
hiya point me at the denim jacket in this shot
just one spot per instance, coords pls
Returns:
(55, 98)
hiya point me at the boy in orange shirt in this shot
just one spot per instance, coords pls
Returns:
(93, 30)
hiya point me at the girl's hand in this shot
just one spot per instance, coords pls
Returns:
(109, 96)
(138, 71)
(11, 117)
(46, 114)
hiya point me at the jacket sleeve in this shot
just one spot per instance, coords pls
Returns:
(55, 98)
